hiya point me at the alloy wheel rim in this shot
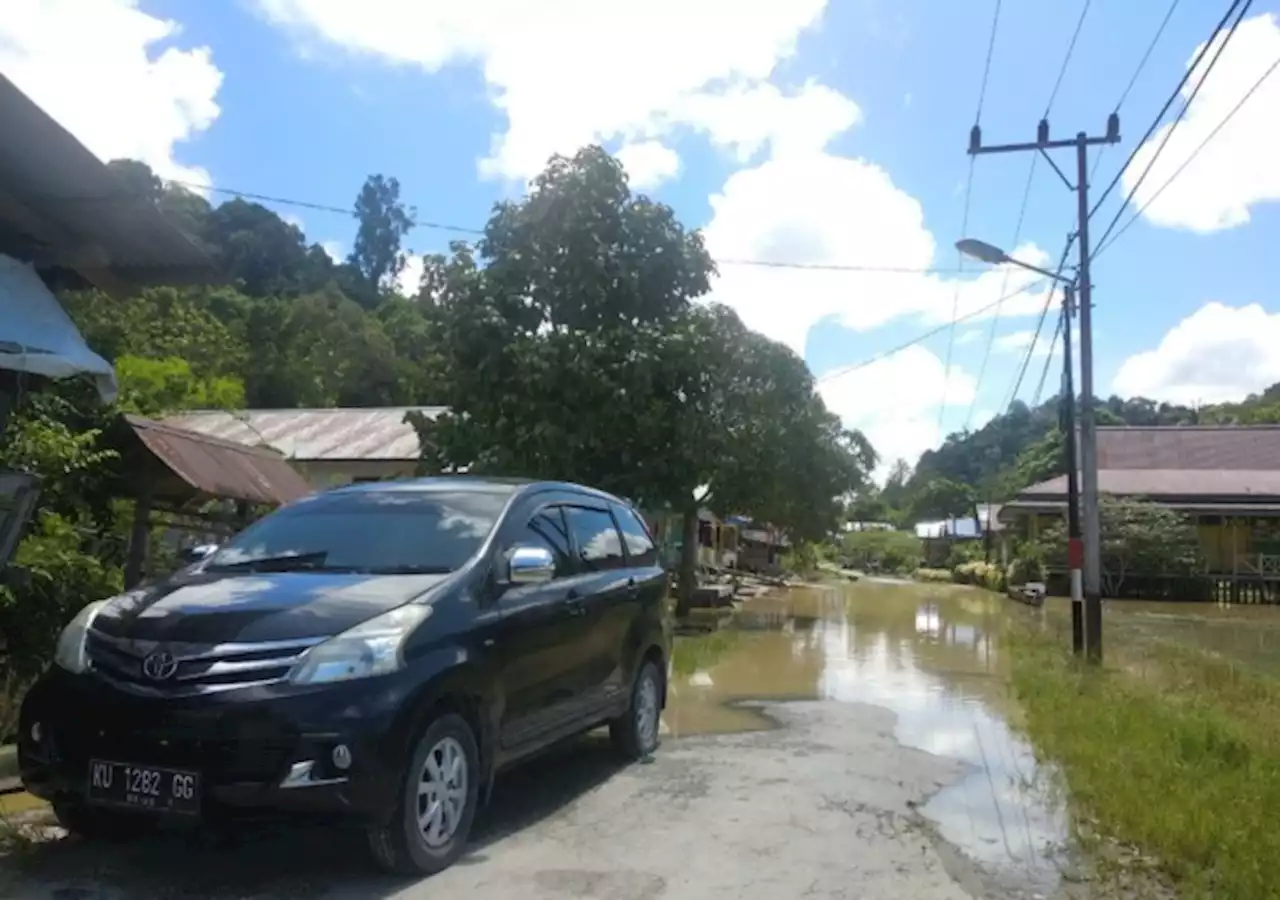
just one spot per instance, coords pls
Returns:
(442, 792)
(647, 711)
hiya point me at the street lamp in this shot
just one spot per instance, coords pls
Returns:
(987, 253)
(993, 255)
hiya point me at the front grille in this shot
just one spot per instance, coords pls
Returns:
(224, 760)
(196, 668)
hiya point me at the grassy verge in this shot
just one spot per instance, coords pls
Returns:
(1174, 751)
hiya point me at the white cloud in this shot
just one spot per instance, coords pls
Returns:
(648, 163)
(1237, 169)
(571, 72)
(1218, 353)
(1017, 342)
(338, 255)
(895, 402)
(811, 207)
(411, 275)
(295, 220)
(96, 68)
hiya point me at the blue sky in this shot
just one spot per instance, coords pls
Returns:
(822, 132)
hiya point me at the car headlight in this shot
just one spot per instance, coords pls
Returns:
(374, 647)
(70, 651)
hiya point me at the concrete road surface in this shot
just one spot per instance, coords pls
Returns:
(821, 807)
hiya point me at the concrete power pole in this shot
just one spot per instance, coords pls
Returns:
(1090, 523)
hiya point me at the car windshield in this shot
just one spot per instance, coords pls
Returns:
(375, 531)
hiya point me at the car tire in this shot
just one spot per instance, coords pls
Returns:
(635, 733)
(416, 841)
(95, 823)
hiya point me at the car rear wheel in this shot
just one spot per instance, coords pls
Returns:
(635, 733)
(433, 817)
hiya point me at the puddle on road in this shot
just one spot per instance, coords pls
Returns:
(931, 654)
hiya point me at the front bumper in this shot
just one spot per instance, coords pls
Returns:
(261, 750)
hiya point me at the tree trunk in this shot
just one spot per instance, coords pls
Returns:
(688, 580)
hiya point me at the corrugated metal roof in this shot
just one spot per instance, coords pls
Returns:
(221, 468)
(315, 434)
(68, 209)
(1253, 448)
(1161, 483)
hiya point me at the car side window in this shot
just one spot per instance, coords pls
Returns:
(635, 536)
(596, 538)
(547, 529)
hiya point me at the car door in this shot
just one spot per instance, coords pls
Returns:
(539, 636)
(603, 590)
(647, 587)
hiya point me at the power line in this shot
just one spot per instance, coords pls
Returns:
(1194, 153)
(1022, 208)
(846, 370)
(1155, 123)
(1182, 114)
(460, 229)
(1044, 373)
(1142, 63)
(1133, 79)
(322, 207)
(964, 217)
(1044, 312)
(1071, 48)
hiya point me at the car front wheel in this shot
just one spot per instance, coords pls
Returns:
(635, 733)
(432, 821)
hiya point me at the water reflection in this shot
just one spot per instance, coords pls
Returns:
(930, 654)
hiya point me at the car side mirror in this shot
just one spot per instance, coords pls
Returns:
(529, 564)
(198, 552)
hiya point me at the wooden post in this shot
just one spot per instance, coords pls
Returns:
(139, 538)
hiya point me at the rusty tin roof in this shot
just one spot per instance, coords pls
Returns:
(220, 468)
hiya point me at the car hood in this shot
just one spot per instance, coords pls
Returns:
(219, 608)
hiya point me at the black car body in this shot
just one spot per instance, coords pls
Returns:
(235, 685)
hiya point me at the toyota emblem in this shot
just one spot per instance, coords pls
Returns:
(159, 666)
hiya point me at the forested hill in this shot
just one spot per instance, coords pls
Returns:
(1024, 445)
(1020, 448)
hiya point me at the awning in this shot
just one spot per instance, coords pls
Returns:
(38, 337)
(202, 465)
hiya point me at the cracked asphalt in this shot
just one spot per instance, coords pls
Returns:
(824, 806)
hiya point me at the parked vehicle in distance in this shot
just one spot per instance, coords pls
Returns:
(377, 652)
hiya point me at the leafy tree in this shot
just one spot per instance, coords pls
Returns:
(157, 387)
(1138, 538)
(384, 221)
(941, 498)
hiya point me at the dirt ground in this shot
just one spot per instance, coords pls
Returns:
(822, 807)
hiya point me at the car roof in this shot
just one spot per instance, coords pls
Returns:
(480, 483)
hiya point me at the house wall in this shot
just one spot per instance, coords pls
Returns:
(323, 474)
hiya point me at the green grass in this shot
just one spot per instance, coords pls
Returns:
(1174, 751)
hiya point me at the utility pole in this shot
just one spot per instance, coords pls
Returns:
(1088, 433)
(1075, 550)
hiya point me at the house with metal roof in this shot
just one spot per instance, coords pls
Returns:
(1226, 477)
(329, 447)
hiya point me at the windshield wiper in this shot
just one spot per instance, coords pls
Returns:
(284, 562)
(409, 570)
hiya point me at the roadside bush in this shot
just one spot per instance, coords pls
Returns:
(889, 550)
(1028, 564)
(981, 574)
(962, 552)
(933, 575)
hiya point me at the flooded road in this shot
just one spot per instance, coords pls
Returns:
(929, 653)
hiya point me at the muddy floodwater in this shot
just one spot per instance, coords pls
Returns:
(929, 653)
